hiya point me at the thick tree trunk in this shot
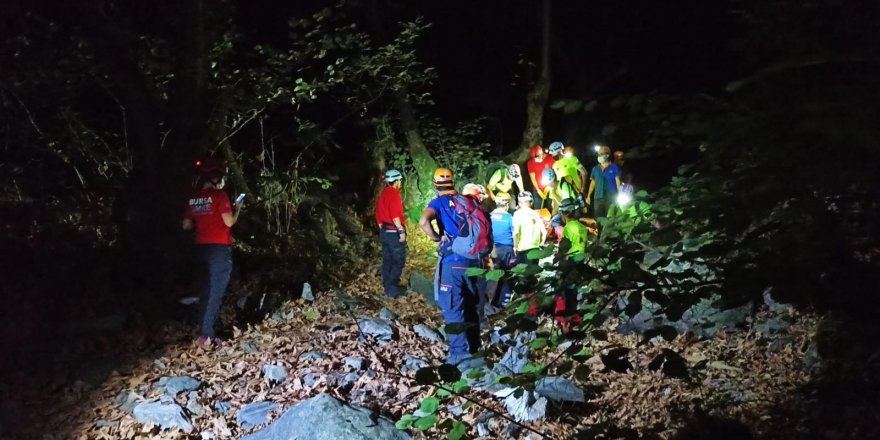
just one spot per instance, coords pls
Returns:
(420, 187)
(536, 101)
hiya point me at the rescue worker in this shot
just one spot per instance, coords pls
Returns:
(570, 169)
(576, 234)
(502, 180)
(528, 228)
(604, 183)
(211, 214)
(456, 293)
(557, 191)
(503, 256)
(392, 233)
(539, 162)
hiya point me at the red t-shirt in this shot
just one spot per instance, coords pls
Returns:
(389, 206)
(205, 208)
(538, 169)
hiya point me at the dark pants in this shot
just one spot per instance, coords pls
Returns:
(393, 259)
(504, 259)
(458, 300)
(600, 207)
(214, 266)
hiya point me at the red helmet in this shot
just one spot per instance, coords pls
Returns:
(535, 151)
(212, 168)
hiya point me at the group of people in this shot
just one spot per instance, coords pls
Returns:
(468, 236)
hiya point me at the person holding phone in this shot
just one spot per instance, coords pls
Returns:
(210, 213)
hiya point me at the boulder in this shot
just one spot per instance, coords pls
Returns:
(174, 385)
(423, 286)
(255, 413)
(386, 314)
(427, 333)
(165, 415)
(325, 418)
(354, 362)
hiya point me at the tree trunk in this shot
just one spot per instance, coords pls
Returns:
(420, 187)
(536, 101)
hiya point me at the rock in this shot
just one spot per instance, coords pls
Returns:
(255, 413)
(127, 400)
(412, 363)
(471, 363)
(311, 379)
(341, 380)
(165, 415)
(192, 404)
(427, 333)
(354, 362)
(378, 328)
(324, 418)
(159, 364)
(312, 356)
(523, 405)
(207, 435)
(248, 347)
(516, 358)
(511, 430)
(559, 389)
(455, 410)
(107, 424)
(222, 406)
(386, 314)
(423, 286)
(307, 292)
(275, 374)
(174, 385)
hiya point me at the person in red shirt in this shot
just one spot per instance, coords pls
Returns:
(392, 233)
(211, 214)
(539, 162)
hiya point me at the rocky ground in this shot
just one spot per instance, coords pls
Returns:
(753, 382)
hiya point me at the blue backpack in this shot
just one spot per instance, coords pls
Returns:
(474, 238)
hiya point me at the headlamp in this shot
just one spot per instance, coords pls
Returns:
(624, 198)
(596, 148)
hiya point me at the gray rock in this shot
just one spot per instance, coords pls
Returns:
(311, 379)
(386, 314)
(107, 424)
(307, 292)
(455, 410)
(378, 328)
(324, 418)
(354, 362)
(427, 333)
(192, 404)
(174, 385)
(559, 389)
(312, 356)
(165, 415)
(511, 430)
(255, 413)
(222, 406)
(523, 405)
(471, 363)
(412, 363)
(423, 286)
(127, 400)
(341, 380)
(248, 347)
(275, 373)
(516, 358)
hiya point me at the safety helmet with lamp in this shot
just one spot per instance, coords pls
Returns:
(474, 190)
(513, 171)
(535, 151)
(392, 176)
(502, 198)
(568, 151)
(556, 148)
(443, 178)
(525, 196)
(569, 205)
(211, 169)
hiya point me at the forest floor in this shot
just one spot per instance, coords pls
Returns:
(741, 384)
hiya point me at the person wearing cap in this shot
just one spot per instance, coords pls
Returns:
(503, 255)
(539, 162)
(528, 228)
(604, 183)
(570, 169)
(502, 180)
(211, 215)
(455, 292)
(392, 233)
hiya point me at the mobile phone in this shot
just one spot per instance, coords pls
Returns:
(240, 198)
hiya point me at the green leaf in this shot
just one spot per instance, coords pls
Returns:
(474, 271)
(641, 194)
(457, 432)
(311, 314)
(405, 422)
(538, 343)
(461, 386)
(533, 368)
(425, 423)
(449, 373)
(426, 376)
(429, 405)
(540, 254)
(494, 275)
